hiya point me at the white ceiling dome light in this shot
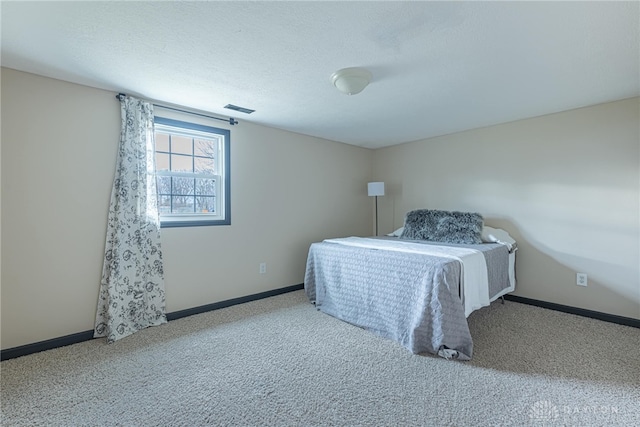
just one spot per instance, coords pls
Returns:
(351, 80)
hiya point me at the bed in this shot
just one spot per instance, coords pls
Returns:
(416, 291)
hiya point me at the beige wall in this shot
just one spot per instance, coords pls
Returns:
(566, 186)
(59, 145)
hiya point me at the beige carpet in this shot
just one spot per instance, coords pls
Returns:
(279, 362)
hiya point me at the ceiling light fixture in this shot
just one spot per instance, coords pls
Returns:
(351, 80)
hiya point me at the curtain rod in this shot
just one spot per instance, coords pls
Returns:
(230, 120)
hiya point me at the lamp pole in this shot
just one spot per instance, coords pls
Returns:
(376, 216)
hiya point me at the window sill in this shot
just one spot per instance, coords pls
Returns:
(194, 223)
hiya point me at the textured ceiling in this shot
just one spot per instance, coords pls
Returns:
(438, 67)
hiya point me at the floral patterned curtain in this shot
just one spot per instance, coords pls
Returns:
(132, 287)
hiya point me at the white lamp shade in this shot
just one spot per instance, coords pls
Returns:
(351, 80)
(375, 188)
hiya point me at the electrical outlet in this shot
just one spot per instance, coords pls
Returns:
(581, 279)
(263, 267)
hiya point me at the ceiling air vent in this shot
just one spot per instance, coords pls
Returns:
(241, 109)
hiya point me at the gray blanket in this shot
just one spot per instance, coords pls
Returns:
(408, 297)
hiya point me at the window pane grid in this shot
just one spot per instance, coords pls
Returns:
(184, 186)
(183, 190)
(203, 155)
(192, 164)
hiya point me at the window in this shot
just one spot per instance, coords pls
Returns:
(192, 173)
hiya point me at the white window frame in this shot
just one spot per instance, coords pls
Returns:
(222, 215)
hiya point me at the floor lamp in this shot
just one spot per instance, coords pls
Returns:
(375, 189)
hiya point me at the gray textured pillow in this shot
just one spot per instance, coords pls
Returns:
(443, 226)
